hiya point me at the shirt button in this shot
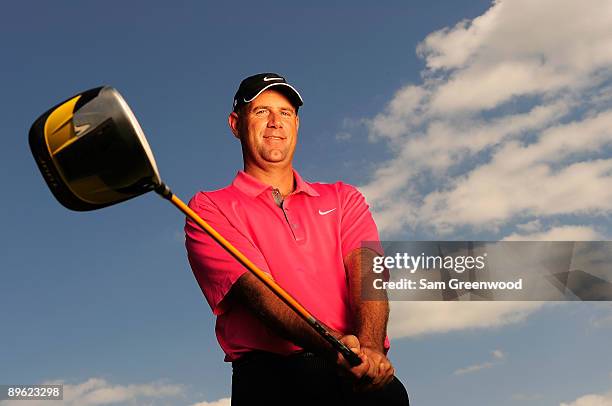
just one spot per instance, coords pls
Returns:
(295, 225)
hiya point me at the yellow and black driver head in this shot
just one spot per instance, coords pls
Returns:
(92, 152)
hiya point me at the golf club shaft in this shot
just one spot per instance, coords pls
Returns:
(349, 355)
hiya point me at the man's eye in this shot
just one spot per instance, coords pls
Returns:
(260, 112)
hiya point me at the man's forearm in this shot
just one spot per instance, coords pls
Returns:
(370, 317)
(254, 295)
(372, 324)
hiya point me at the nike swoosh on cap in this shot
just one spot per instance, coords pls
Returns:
(323, 213)
(267, 79)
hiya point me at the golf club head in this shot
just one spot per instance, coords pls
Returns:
(92, 152)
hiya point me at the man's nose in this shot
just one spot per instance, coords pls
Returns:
(274, 120)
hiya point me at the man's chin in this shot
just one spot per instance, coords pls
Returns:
(275, 157)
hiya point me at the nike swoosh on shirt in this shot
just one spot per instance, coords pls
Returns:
(267, 79)
(323, 213)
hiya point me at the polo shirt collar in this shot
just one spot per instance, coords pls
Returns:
(254, 187)
(302, 186)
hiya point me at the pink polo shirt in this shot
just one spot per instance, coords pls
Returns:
(301, 245)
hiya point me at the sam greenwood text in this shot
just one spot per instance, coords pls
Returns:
(455, 284)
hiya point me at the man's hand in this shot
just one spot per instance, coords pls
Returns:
(375, 370)
(385, 370)
(360, 371)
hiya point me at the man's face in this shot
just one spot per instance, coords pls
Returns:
(267, 128)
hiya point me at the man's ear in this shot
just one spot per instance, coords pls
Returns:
(297, 122)
(232, 121)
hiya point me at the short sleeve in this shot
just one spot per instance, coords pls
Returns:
(357, 224)
(213, 267)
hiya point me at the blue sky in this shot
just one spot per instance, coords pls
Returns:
(458, 120)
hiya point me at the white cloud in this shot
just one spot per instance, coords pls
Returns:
(473, 368)
(220, 402)
(413, 319)
(497, 355)
(561, 233)
(512, 121)
(591, 400)
(96, 391)
(348, 126)
(510, 50)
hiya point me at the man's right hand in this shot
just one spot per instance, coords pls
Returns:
(360, 371)
(366, 375)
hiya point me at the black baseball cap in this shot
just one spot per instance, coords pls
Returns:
(252, 87)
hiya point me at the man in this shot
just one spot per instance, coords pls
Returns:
(307, 236)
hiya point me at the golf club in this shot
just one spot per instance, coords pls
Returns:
(93, 153)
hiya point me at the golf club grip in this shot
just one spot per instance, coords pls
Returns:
(338, 345)
(282, 294)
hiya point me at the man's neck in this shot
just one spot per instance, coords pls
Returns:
(279, 178)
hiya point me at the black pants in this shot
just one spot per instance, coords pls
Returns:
(261, 378)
